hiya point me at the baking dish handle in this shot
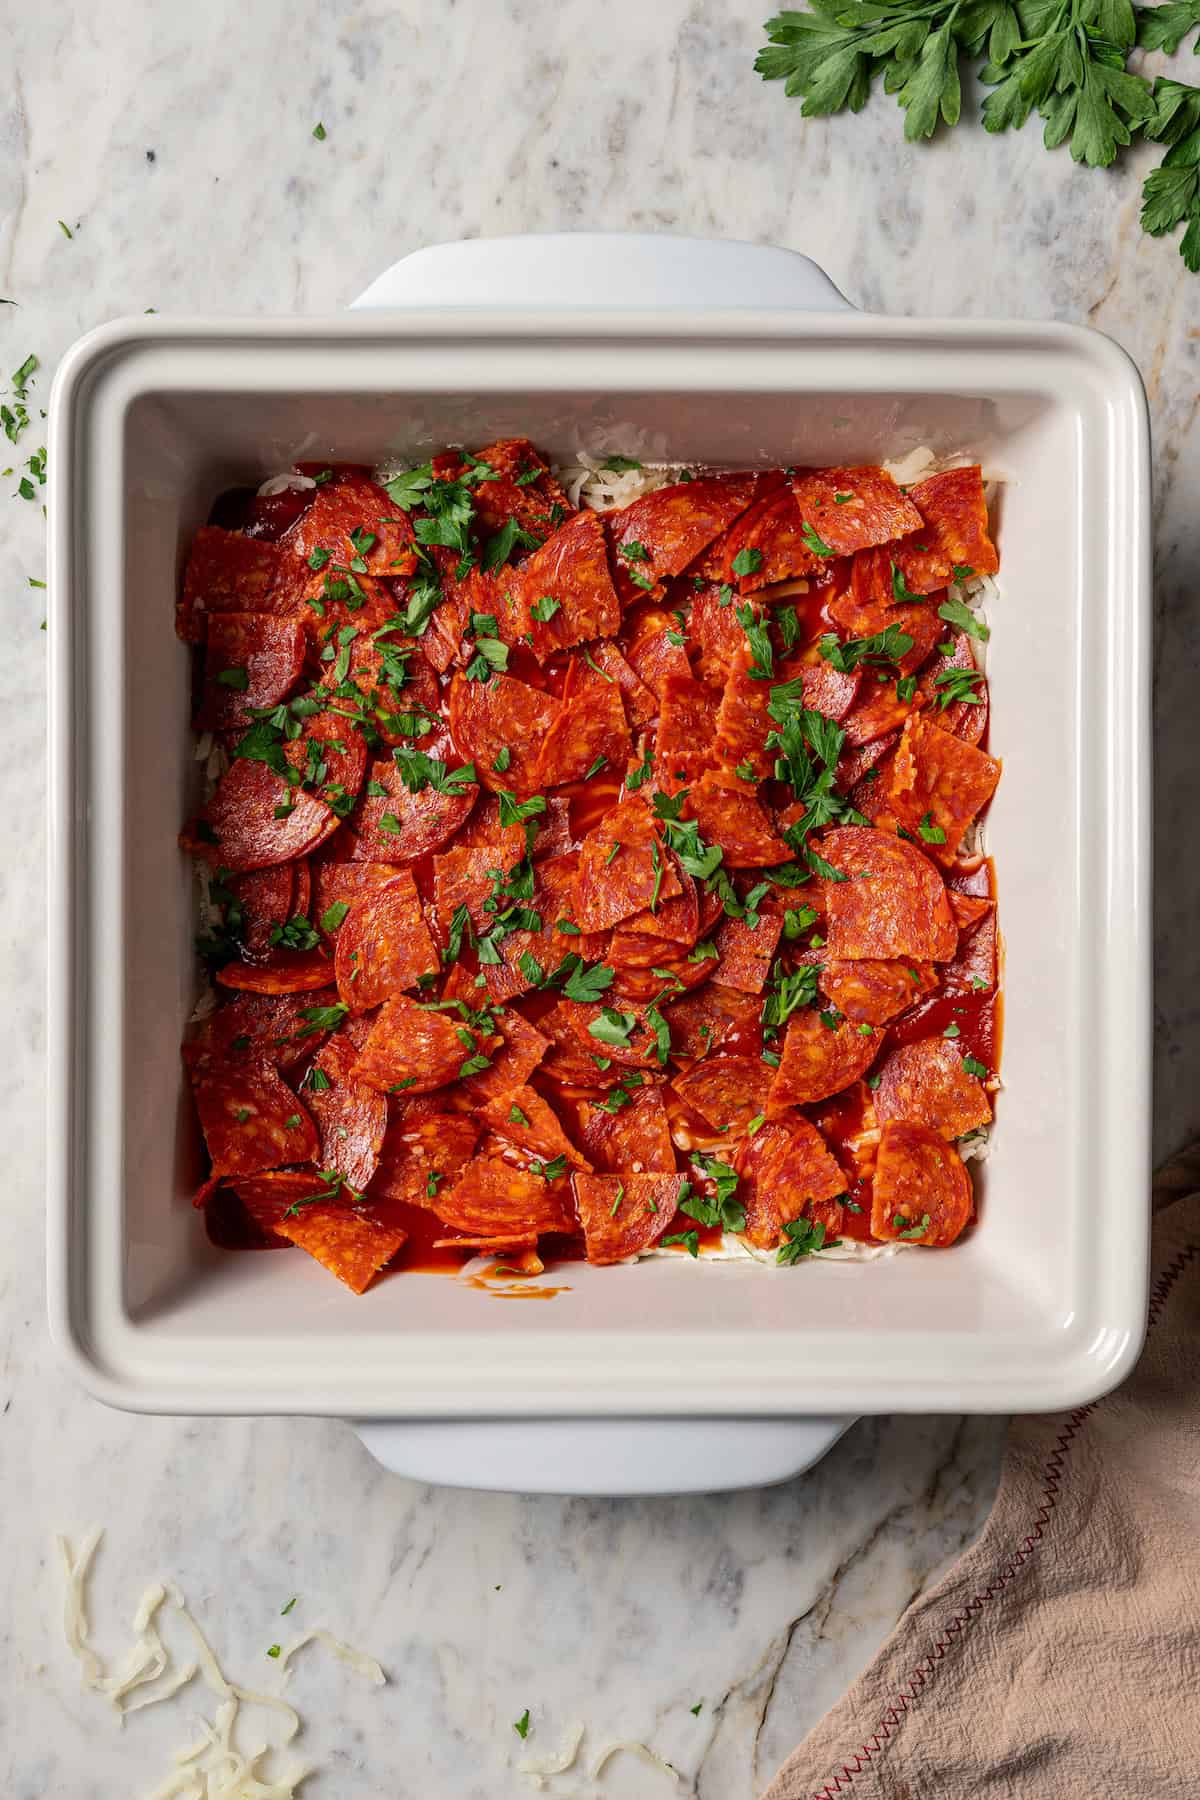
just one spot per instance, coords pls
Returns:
(604, 269)
(602, 1458)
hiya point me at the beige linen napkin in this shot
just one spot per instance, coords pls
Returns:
(1060, 1658)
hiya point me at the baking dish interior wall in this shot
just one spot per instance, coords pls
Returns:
(1024, 1270)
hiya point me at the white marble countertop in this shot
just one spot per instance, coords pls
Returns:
(176, 144)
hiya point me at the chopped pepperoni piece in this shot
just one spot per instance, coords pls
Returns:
(226, 572)
(636, 1137)
(332, 759)
(413, 1050)
(350, 1243)
(687, 724)
(526, 492)
(384, 946)
(589, 728)
(821, 1056)
(855, 765)
(268, 1197)
(770, 536)
(787, 1171)
(917, 620)
(483, 830)
(872, 993)
(400, 826)
(641, 702)
(239, 829)
(250, 1117)
(492, 1197)
(927, 1084)
(388, 686)
(699, 1022)
(531, 1123)
(954, 509)
(639, 1048)
(973, 968)
(672, 972)
(713, 628)
(639, 941)
(653, 655)
(938, 784)
(728, 813)
(567, 579)
(265, 899)
(488, 718)
(250, 660)
(354, 520)
(911, 565)
(339, 885)
(623, 868)
(892, 902)
(878, 712)
(420, 1154)
(351, 1118)
(280, 972)
(665, 530)
(848, 509)
(623, 1214)
(744, 952)
(724, 1090)
(922, 1191)
(261, 1027)
(828, 691)
(743, 721)
(966, 718)
(968, 909)
(572, 1060)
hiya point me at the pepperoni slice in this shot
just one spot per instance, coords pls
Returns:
(623, 868)
(968, 909)
(848, 509)
(973, 968)
(938, 784)
(266, 1198)
(672, 972)
(966, 718)
(568, 580)
(655, 654)
(280, 972)
(623, 1214)
(261, 1027)
(744, 952)
(743, 721)
(525, 1119)
(953, 507)
(699, 1022)
(492, 1197)
(421, 1154)
(388, 685)
(912, 564)
(687, 724)
(641, 702)
(728, 813)
(828, 691)
(572, 1060)
(872, 993)
(400, 826)
(892, 902)
(635, 1137)
(665, 530)
(922, 1191)
(638, 943)
(384, 945)
(821, 1055)
(769, 544)
(239, 829)
(714, 630)
(339, 885)
(354, 520)
(855, 765)
(526, 492)
(589, 731)
(490, 718)
(926, 1083)
(483, 830)
(351, 1244)
(916, 619)
(250, 1117)
(250, 660)
(225, 572)
(878, 712)
(413, 1050)
(265, 899)
(787, 1171)
(351, 1118)
(332, 759)
(725, 1090)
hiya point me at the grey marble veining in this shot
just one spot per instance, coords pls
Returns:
(176, 144)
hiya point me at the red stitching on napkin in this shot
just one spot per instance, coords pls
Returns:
(1053, 1468)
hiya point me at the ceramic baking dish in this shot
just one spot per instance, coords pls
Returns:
(1043, 1306)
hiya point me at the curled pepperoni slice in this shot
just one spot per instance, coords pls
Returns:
(641, 702)
(877, 713)
(918, 620)
(255, 819)
(526, 492)
(635, 1137)
(354, 520)
(699, 1022)
(623, 1214)
(767, 544)
(966, 717)
(665, 530)
(250, 1117)
(891, 901)
(656, 653)
(872, 993)
(354, 1245)
(744, 952)
(384, 945)
(638, 943)
(421, 1154)
(968, 909)
(953, 507)
(493, 1197)
(821, 1055)
(520, 1051)
(714, 630)
(724, 1090)
(280, 972)
(412, 1050)
(844, 510)
(339, 885)
(927, 1084)
(501, 720)
(262, 1028)
(728, 813)
(563, 593)
(787, 1170)
(351, 1117)
(525, 1119)
(938, 784)
(226, 572)
(407, 819)
(250, 660)
(623, 868)
(922, 1192)
(828, 691)
(589, 731)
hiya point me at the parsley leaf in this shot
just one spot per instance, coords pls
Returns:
(804, 1238)
(957, 612)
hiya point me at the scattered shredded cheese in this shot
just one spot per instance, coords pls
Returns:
(289, 481)
(361, 1664)
(641, 1751)
(557, 1762)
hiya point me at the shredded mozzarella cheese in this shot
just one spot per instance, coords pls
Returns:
(539, 1767)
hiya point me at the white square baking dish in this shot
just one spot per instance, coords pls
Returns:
(1043, 1306)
